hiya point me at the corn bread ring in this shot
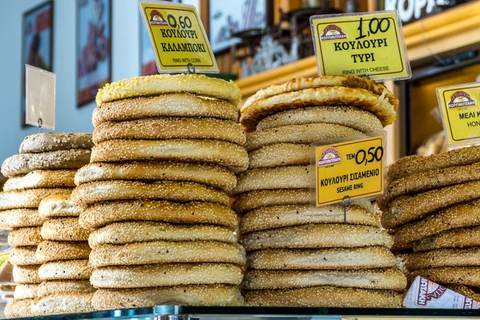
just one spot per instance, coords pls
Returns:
(262, 198)
(449, 257)
(53, 141)
(58, 205)
(162, 275)
(78, 269)
(454, 238)
(299, 133)
(20, 218)
(144, 231)
(319, 259)
(51, 287)
(211, 174)
(380, 279)
(469, 276)
(29, 198)
(61, 303)
(62, 250)
(25, 291)
(407, 208)
(64, 229)
(355, 118)
(280, 154)
(200, 295)
(317, 236)
(100, 214)
(62, 178)
(171, 128)
(26, 236)
(23, 163)
(228, 154)
(166, 83)
(154, 252)
(324, 296)
(27, 274)
(22, 256)
(181, 191)
(20, 308)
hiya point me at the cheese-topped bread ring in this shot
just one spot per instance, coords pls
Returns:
(62, 250)
(26, 236)
(51, 141)
(78, 269)
(62, 178)
(64, 229)
(62, 303)
(29, 198)
(58, 205)
(261, 198)
(50, 287)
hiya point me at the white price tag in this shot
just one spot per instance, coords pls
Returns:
(40, 98)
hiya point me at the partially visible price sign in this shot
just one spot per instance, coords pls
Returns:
(40, 97)
(178, 37)
(353, 169)
(366, 44)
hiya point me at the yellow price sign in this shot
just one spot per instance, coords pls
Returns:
(370, 44)
(178, 37)
(460, 105)
(353, 169)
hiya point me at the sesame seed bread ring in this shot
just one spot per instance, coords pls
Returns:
(20, 218)
(262, 198)
(210, 174)
(469, 276)
(299, 133)
(164, 105)
(100, 214)
(382, 278)
(171, 128)
(25, 291)
(161, 275)
(167, 83)
(290, 177)
(324, 296)
(27, 274)
(407, 208)
(26, 236)
(64, 229)
(358, 119)
(62, 250)
(228, 154)
(319, 259)
(22, 256)
(144, 231)
(20, 308)
(456, 216)
(50, 287)
(29, 198)
(62, 178)
(181, 191)
(58, 205)
(465, 290)
(79, 269)
(280, 154)
(52, 141)
(280, 216)
(62, 303)
(200, 295)
(318, 236)
(451, 257)
(454, 238)
(167, 252)
(23, 163)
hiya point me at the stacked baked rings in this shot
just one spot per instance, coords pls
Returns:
(167, 148)
(45, 166)
(299, 255)
(432, 204)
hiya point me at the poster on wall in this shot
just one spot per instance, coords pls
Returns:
(36, 43)
(147, 55)
(93, 48)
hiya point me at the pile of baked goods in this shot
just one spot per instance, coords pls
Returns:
(432, 204)
(45, 166)
(297, 254)
(166, 151)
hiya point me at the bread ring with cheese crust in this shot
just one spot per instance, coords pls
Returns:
(167, 83)
(52, 141)
(154, 252)
(20, 218)
(22, 256)
(25, 291)
(64, 229)
(469, 276)
(320, 259)
(29, 198)
(162, 275)
(20, 308)
(228, 154)
(210, 174)
(27, 274)
(262, 198)
(62, 303)
(280, 154)
(181, 191)
(78, 269)
(100, 214)
(171, 128)
(26, 236)
(62, 250)
(454, 238)
(451, 257)
(50, 287)
(58, 205)
(200, 295)
(144, 231)
(62, 178)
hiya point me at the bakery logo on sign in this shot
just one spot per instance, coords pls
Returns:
(156, 18)
(329, 156)
(424, 296)
(332, 32)
(461, 99)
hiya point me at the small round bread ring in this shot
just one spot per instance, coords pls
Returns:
(62, 178)
(26, 236)
(262, 198)
(452, 257)
(29, 198)
(280, 154)
(20, 308)
(58, 205)
(22, 256)
(453, 238)
(62, 250)
(20, 218)
(64, 229)
(79, 269)
(63, 303)
(469, 276)
(53, 141)
(26, 274)
(25, 291)
(50, 287)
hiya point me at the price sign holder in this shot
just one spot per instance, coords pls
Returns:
(178, 37)
(346, 171)
(361, 44)
(460, 106)
(40, 97)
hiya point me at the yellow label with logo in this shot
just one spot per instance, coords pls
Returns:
(353, 169)
(368, 44)
(460, 106)
(4, 259)
(178, 38)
